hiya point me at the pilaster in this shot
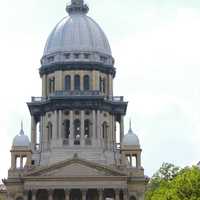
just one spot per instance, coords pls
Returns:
(82, 127)
(71, 136)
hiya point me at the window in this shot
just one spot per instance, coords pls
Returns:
(67, 83)
(50, 59)
(103, 59)
(77, 82)
(52, 85)
(67, 55)
(132, 198)
(66, 129)
(86, 55)
(104, 85)
(76, 55)
(77, 131)
(100, 84)
(86, 82)
(87, 128)
(104, 130)
(50, 131)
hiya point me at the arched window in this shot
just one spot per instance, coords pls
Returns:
(77, 82)
(19, 198)
(66, 129)
(67, 83)
(132, 198)
(87, 128)
(51, 85)
(50, 131)
(77, 131)
(86, 82)
(104, 85)
(100, 84)
(105, 134)
(104, 130)
(38, 136)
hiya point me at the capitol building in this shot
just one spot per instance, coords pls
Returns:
(74, 153)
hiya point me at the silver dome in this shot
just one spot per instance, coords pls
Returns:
(131, 139)
(77, 34)
(21, 140)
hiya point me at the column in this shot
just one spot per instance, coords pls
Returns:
(110, 85)
(125, 194)
(82, 128)
(117, 191)
(44, 85)
(13, 161)
(21, 161)
(71, 136)
(50, 194)
(138, 160)
(55, 126)
(25, 195)
(60, 125)
(84, 192)
(94, 133)
(67, 192)
(98, 125)
(33, 132)
(101, 197)
(121, 128)
(33, 194)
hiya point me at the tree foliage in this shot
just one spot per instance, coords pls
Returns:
(173, 183)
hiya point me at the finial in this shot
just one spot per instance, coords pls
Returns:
(21, 131)
(77, 6)
(21, 125)
(130, 127)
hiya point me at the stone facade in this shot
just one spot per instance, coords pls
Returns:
(74, 153)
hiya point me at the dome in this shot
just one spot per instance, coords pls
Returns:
(77, 37)
(21, 140)
(131, 139)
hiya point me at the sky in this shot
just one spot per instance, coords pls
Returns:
(156, 46)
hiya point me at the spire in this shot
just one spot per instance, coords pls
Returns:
(21, 131)
(77, 6)
(130, 126)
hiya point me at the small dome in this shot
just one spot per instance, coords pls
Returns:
(21, 140)
(77, 37)
(131, 139)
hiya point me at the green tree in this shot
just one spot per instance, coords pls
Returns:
(171, 183)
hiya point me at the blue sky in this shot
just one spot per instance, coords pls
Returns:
(156, 46)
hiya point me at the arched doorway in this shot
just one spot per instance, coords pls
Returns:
(59, 195)
(75, 194)
(42, 195)
(92, 194)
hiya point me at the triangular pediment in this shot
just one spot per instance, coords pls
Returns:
(75, 168)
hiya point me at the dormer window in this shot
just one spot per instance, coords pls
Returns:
(76, 55)
(103, 59)
(67, 55)
(50, 59)
(86, 55)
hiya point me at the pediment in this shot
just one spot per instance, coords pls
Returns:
(76, 168)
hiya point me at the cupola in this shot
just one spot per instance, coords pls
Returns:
(21, 140)
(131, 139)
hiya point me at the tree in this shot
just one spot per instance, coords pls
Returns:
(171, 183)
